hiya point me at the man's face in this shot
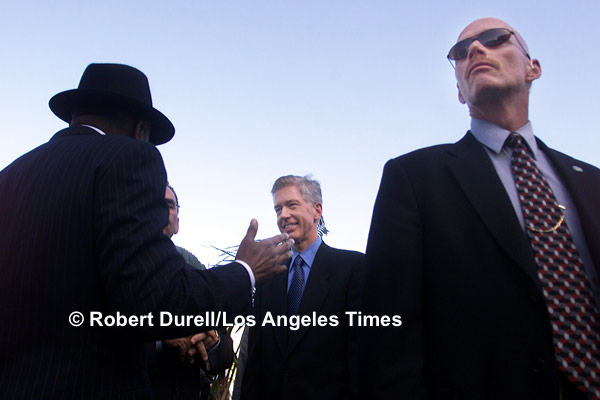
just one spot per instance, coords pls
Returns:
(297, 217)
(487, 74)
(173, 227)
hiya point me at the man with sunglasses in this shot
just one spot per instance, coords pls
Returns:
(488, 249)
(172, 228)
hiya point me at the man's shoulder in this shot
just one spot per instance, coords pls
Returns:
(85, 136)
(573, 162)
(85, 145)
(107, 152)
(429, 163)
(83, 149)
(429, 154)
(190, 258)
(341, 256)
(342, 252)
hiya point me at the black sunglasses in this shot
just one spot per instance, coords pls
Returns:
(490, 38)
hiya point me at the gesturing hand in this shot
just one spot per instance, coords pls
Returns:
(266, 257)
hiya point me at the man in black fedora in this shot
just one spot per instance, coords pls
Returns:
(81, 236)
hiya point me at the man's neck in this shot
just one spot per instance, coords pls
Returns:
(300, 247)
(510, 114)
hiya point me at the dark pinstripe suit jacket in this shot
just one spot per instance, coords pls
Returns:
(81, 221)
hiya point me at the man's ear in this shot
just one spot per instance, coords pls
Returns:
(142, 130)
(460, 97)
(176, 227)
(534, 71)
(318, 207)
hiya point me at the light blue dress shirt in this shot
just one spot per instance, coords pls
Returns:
(493, 137)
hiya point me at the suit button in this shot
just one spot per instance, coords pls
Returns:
(539, 366)
(285, 377)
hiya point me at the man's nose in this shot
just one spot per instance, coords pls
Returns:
(285, 212)
(475, 48)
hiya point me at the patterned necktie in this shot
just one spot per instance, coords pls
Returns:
(295, 291)
(573, 313)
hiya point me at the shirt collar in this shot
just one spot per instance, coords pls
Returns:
(96, 129)
(493, 136)
(308, 255)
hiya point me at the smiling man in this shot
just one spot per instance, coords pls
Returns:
(312, 362)
(488, 248)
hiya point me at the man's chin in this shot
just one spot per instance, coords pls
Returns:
(491, 93)
(292, 235)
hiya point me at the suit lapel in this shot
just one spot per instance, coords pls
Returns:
(477, 177)
(583, 185)
(315, 292)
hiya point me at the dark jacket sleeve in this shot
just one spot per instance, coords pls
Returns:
(139, 267)
(222, 357)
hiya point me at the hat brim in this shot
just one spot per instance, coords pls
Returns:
(64, 103)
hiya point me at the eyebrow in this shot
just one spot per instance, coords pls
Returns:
(285, 203)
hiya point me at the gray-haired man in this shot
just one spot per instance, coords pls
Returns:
(317, 359)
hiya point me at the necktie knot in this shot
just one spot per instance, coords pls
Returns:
(541, 210)
(516, 142)
(298, 262)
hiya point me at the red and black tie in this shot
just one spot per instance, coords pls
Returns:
(573, 313)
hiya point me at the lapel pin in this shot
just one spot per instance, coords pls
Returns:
(577, 169)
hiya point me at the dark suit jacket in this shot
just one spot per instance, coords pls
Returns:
(81, 230)
(312, 362)
(446, 252)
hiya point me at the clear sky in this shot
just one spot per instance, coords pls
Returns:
(259, 89)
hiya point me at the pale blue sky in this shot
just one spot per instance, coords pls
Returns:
(259, 89)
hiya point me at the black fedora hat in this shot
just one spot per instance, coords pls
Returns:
(118, 87)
